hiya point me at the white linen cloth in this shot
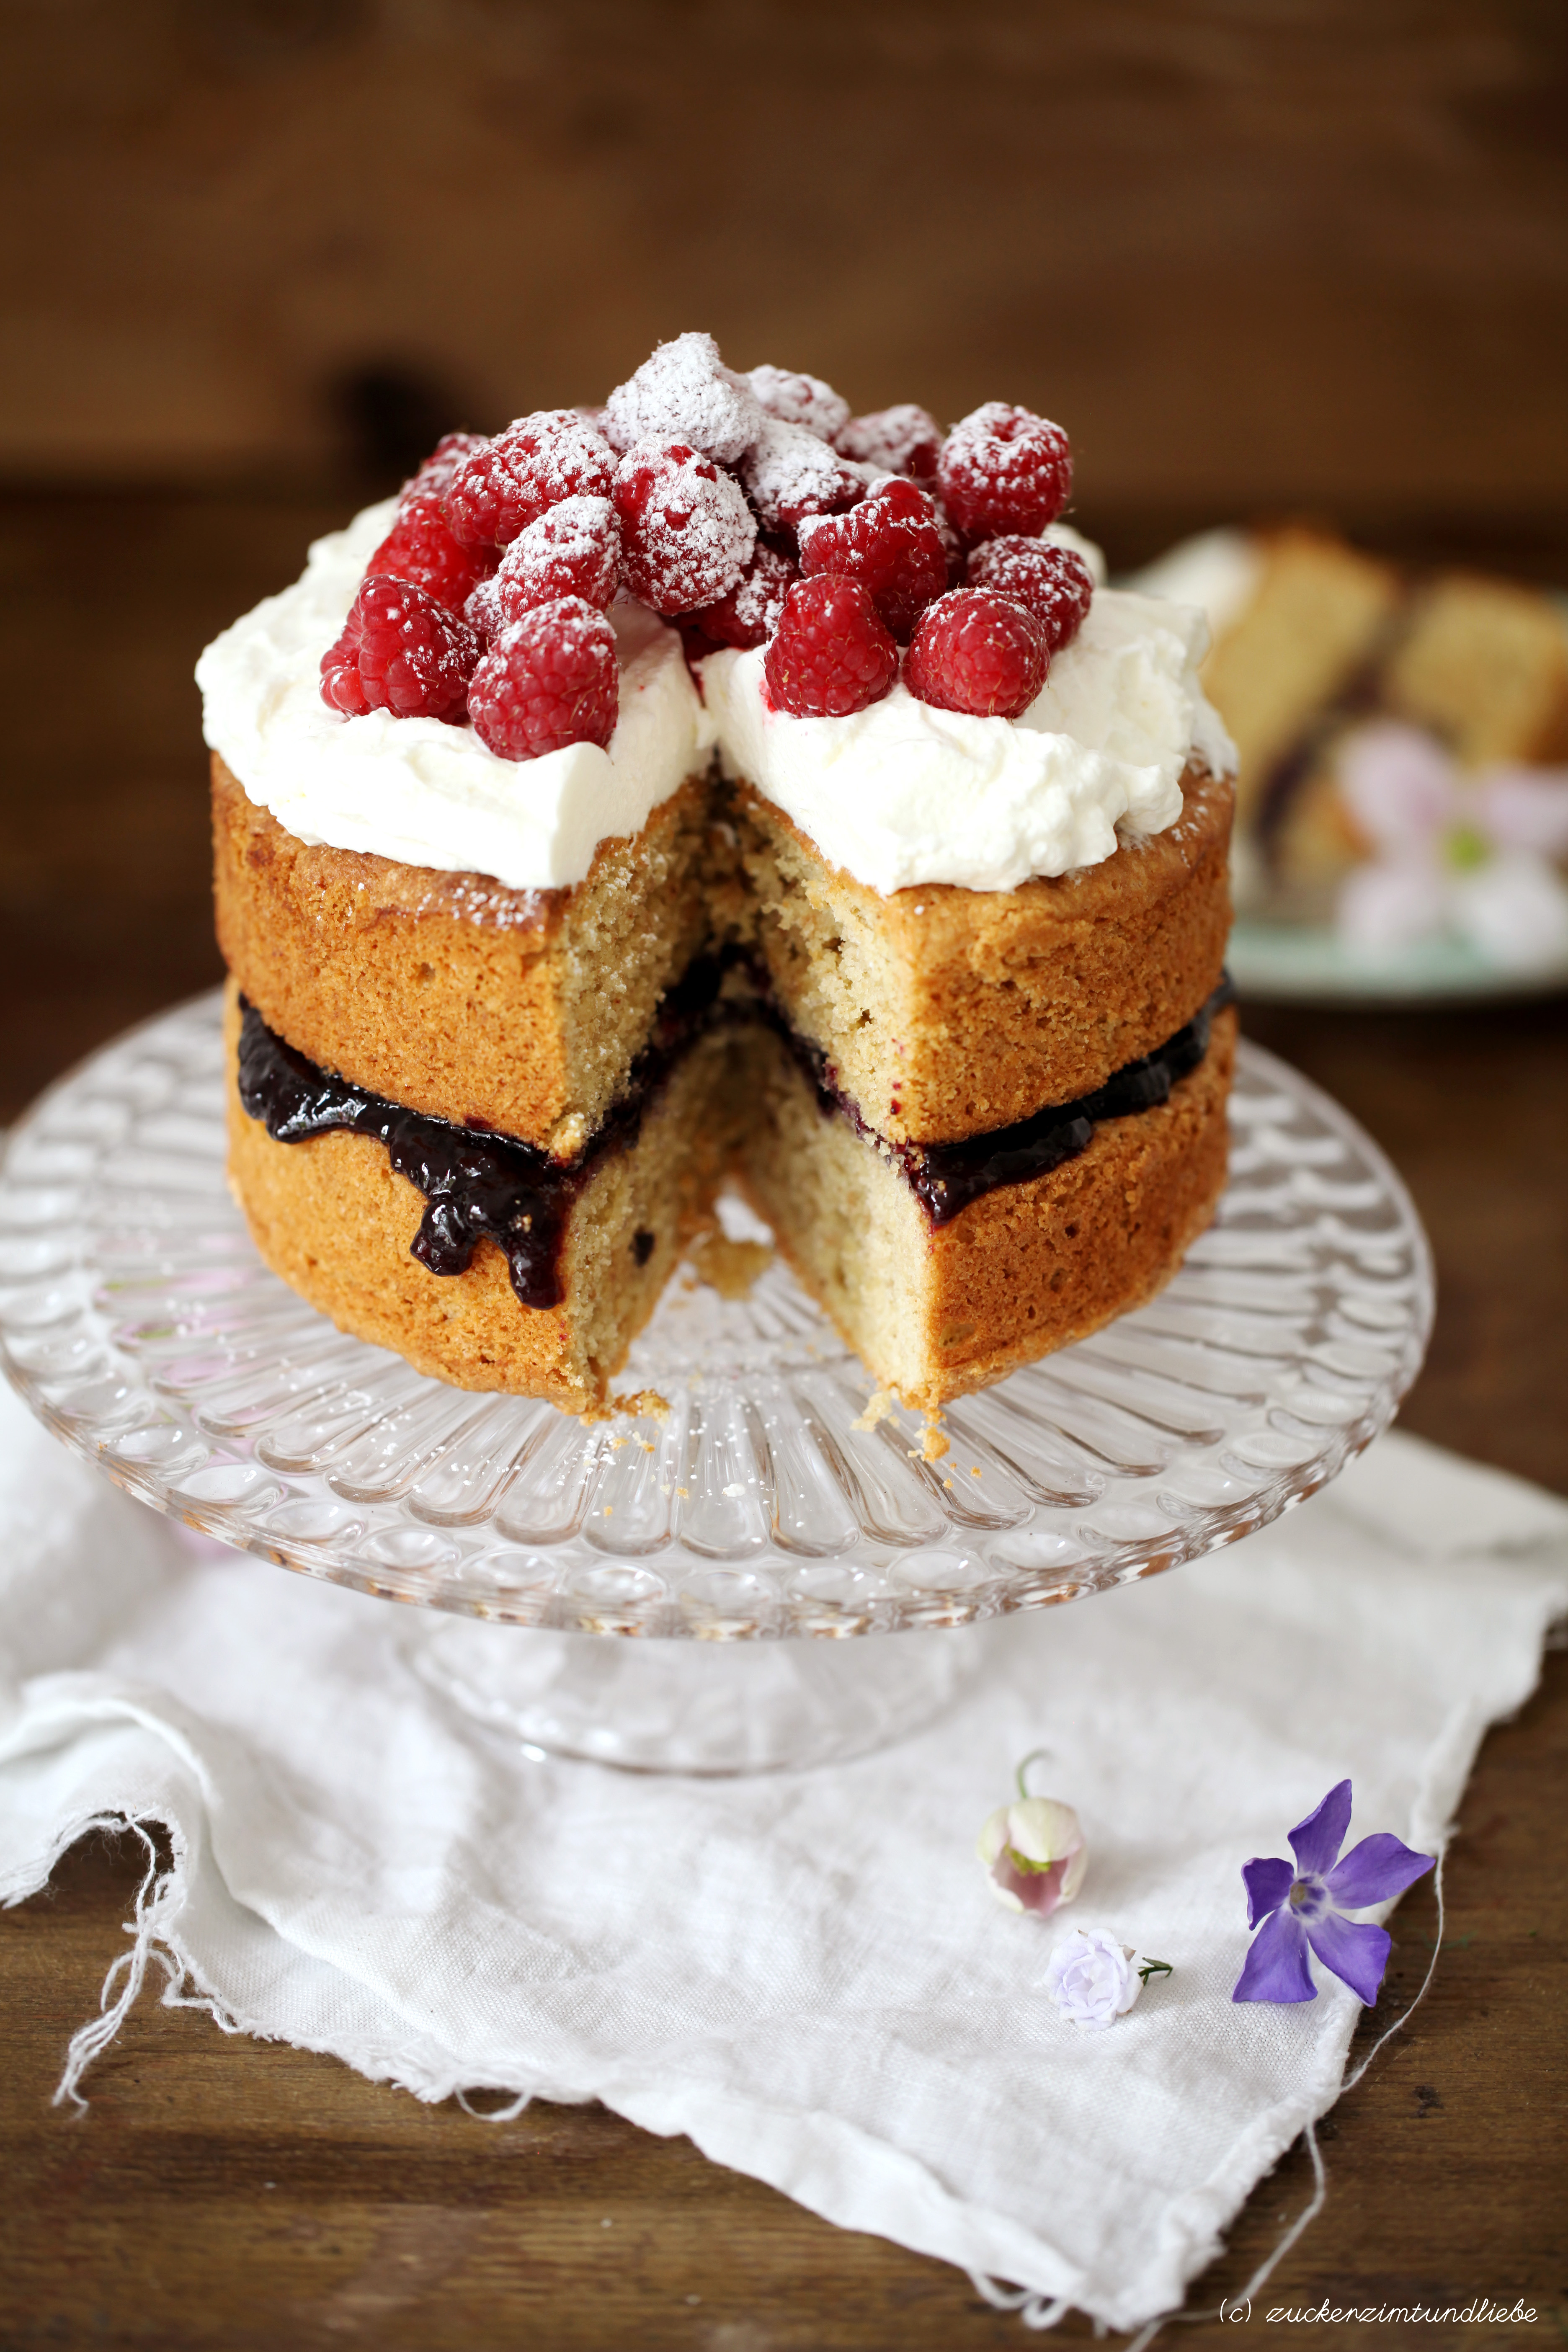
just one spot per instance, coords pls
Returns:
(806, 1972)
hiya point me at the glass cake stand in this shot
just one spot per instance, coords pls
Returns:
(741, 1540)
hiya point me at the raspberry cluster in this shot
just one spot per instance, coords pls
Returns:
(749, 510)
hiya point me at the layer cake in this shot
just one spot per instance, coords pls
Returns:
(856, 846)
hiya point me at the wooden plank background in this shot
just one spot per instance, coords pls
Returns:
(1248, 252)
(1259, 256)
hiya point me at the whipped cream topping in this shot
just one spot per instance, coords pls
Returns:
(903, 794)
(416, 789)
(899, 794)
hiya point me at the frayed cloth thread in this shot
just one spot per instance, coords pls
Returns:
(158, 1898)
(506, 2114)
(1040, 2312)
(1035, 2311)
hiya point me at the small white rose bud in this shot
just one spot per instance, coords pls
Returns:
(1094, 1977)
(1034, 1854)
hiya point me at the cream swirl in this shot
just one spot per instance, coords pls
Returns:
(416, 789)
(900, 794)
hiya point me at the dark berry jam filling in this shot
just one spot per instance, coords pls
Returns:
(475, 1183)
(946, 1177)
(478, 1183)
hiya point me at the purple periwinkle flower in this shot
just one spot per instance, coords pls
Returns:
(1306, 1905)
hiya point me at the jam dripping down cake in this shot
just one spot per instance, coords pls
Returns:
(720, 788)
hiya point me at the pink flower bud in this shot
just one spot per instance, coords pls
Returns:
(1035, 1852)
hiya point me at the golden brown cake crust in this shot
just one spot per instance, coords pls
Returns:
(1031, 1268)
(947, 1012)
(515, 1009)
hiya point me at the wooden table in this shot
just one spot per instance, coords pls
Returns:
(222, 2191)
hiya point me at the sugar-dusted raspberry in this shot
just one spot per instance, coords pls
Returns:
(790, 473)
(801, 399)
(400, 651)
(573, 550)
(750, 613)
(452, 450)
(891, 544)
(687, 533)
(509, 482)
(830, 653)
(420, 548)
(1054, 582)
(952, 545)
(551, 678)
(901, 440)
(685, 392)
(976, 651)
(1005, 469)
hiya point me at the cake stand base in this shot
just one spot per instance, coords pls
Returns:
(651, 1705)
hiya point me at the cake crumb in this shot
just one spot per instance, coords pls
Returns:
(568, 1136)
(728, 1267)
(934, 1441)
(643, 1404)
(880, 1405)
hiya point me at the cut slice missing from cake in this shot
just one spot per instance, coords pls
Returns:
(718, 788)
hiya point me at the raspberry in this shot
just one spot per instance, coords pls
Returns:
(1005, 469)
(901, 440)
(1053, 582)
(551, 678)
(801, 399)
(891, 544)
(685, 392)
(420, 548)
(830, 653)
(452, 450)
(508, 483)
(789, 474)
(952, 546)
(400, 651)
(340, 689)
(686, 531)
(976, 651)
(573, 550)
(750, 613)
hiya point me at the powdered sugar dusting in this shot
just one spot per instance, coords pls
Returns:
(573, 550)
(796, 399)
(750, 613)
(760, 597)
(789, 473)
(508, 483)
(904, 439)
(685, 530)
(685, 392)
